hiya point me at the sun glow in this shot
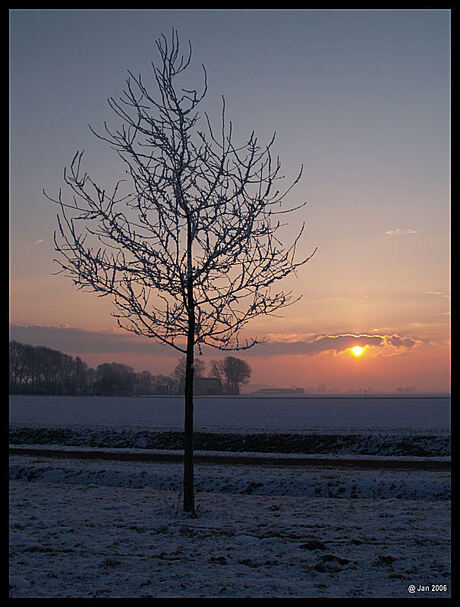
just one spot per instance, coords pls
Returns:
(357, 350)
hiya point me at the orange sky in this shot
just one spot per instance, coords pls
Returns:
(426, 370)
(318, 363)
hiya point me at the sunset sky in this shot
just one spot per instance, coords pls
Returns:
(360, 98)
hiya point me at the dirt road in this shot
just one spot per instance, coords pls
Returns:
(211, 458)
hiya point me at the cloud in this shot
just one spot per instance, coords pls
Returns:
(341, 342)
(39, 241)
(78, 341)
(399, 231)
(440, 293)
(332, 343)
(397, 341)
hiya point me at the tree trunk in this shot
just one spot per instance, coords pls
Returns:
(189, 480)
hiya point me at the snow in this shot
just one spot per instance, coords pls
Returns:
(403, 444)
(103, 528)
(236, 414)
(332, 482)
(99, 537)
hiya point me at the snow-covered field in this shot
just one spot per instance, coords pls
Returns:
(103, 529)
(270, 480)
(107, 528)
(235, 414)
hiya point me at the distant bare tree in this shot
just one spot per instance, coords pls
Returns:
(191, 250)
(180, 371)
(144, 383)
(232, 372)
(237, 372)
(18, 364)
(217, 370)
(115, 379)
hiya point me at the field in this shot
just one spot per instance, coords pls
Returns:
(244, 413)
(108, 528)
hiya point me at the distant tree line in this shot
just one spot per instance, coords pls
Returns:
(41, 370)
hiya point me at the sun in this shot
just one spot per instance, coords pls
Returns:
(357, 350)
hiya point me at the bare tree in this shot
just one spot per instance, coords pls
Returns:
(180, 371)
(232, 372)
(237, 372)
(190, 251)
(217, 370)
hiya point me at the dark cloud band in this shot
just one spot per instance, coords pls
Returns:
(78, 341)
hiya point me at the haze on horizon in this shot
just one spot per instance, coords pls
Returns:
(361, 98)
